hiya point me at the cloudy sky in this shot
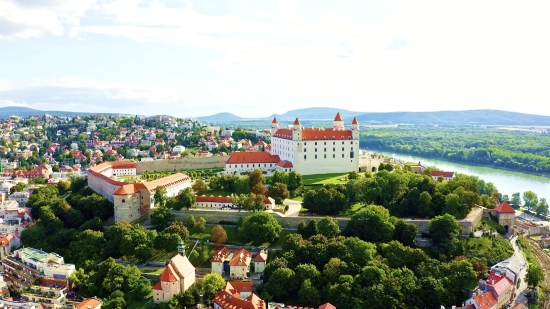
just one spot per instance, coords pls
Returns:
(259, 57)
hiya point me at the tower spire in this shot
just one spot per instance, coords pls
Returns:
(181, 248)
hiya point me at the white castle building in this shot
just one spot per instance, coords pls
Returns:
(317, 150)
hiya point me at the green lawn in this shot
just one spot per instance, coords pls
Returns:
(353, 209)
(153, 271)
(234, 239)
(217, 193)
(161, 256)
(138, 304)
(297, 198)
(482, 245)
(492, 225)
(319, 179)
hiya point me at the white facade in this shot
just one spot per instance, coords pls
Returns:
(178, 148)
(21, 197)
(317, 150)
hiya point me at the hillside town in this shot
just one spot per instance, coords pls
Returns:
(131, 187)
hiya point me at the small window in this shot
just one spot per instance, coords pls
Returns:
(334, 156)
(325, 156)
(315, 156)
(123, 200)
(305, 157)
(315, 142)
(342, 155)
(315, 149)
(342, 148)
(325, 142)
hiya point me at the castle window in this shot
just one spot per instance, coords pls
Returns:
(123, 200)
(325, 156)
(333, 149)
(341, 137)
(325, 150)
(315, 156)
(315, 149)
(315, 142)
(342, 148)
(334, 156)
(305, 157)
(342, 155)
(351, 142)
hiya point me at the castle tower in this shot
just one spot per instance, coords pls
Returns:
(355, 129)
(181, 248)
(338, 123)
(274, 126)
(296, 130)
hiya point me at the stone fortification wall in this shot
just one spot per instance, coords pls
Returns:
(181, 164)
(215, 216)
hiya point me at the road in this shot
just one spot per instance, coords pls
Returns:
(294, 208)
(518, 254)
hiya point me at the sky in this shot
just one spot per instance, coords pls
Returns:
(255, 58)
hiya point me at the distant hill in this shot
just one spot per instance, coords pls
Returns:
(8, 111)
(315, 113)
(469, 117)
(221, 117)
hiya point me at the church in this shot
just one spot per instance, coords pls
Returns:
(317, 150)
(176, 278)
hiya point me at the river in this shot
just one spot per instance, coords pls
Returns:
(507, 182)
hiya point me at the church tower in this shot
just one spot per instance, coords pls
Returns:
(181, 248)
(274, 126)
(355, 129)
(338, 123)
(296, 130)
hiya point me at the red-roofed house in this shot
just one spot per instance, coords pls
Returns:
(225, 201)
(484, 301)
(90, 303)
(176, 278)
(243, 288)
(220, 260)
(500, 285)
(317, 150)
(239, 265)
(229, 298)
(260, 260)
(442, 174)
(240, 162)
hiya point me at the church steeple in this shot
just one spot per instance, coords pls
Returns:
(181, 248)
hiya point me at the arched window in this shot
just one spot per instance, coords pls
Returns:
(123, 200)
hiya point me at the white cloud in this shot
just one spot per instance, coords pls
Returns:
(26, 19)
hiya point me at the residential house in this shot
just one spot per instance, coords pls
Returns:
(4, 291)
(21, 197)
(229, 298)
(445, 175)
(225, 202)
(260, 261)
(243, 288)
(239, 265)
(240, 162)
(90, 303)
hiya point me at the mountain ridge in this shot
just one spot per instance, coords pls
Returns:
(25, 112)
(446, 117)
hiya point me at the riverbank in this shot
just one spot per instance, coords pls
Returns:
(546, 175)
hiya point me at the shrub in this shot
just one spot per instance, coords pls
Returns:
(286, 209)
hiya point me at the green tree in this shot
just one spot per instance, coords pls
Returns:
(279, 192)
(353, 175)
(516, 199)
(242, 185)
(443, 228)
(328, 227)
(256, 177)
(200, 225)
(186, 199)
(308, 295)
(162, 217)
(281, 283)
(167, 242)
(534, 275)
(405, 233)
(143, 253)
(191, 221)
(160, 196)
(178, 228)
(219, 235)
(301, 227)
(424, 209)
(530, 199)
(260, 227)
(372, 223)
(199, 186)
(63, 186)
(452, 205)
(212, 283)
(311, 229)
(308, 272)
(542, 207)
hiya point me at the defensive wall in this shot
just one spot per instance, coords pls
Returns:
(468, 224)
(181, 164)
(215, 216)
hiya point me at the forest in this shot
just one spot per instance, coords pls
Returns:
(518, 150)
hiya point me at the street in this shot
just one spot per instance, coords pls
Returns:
(518, 254)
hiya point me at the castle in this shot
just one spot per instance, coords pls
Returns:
(317, 150)
(131, 200)
(304, 150)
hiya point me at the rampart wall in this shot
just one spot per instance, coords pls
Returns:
(181, 164)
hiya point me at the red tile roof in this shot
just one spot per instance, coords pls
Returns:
(226, 299)
(500, 282)
(338, 117)
(486, 300)
(285, 163)
(283, 133)
(241, 257)
(327, 306)
(504, 207)
(242, 286)
(442, 174)
(325, 134)
(158, 286)
(252, 157)
(220, 255)
(178, 268)
(260, 257)
(90, 302)
(354, 121)
(126, 190)
(296, 122)
(274, 120)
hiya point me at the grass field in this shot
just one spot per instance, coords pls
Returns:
(138, 304)
(481, 245)
(217, 193)
(161, 256)
(234, 239)
(354, 209)
(320, 179)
